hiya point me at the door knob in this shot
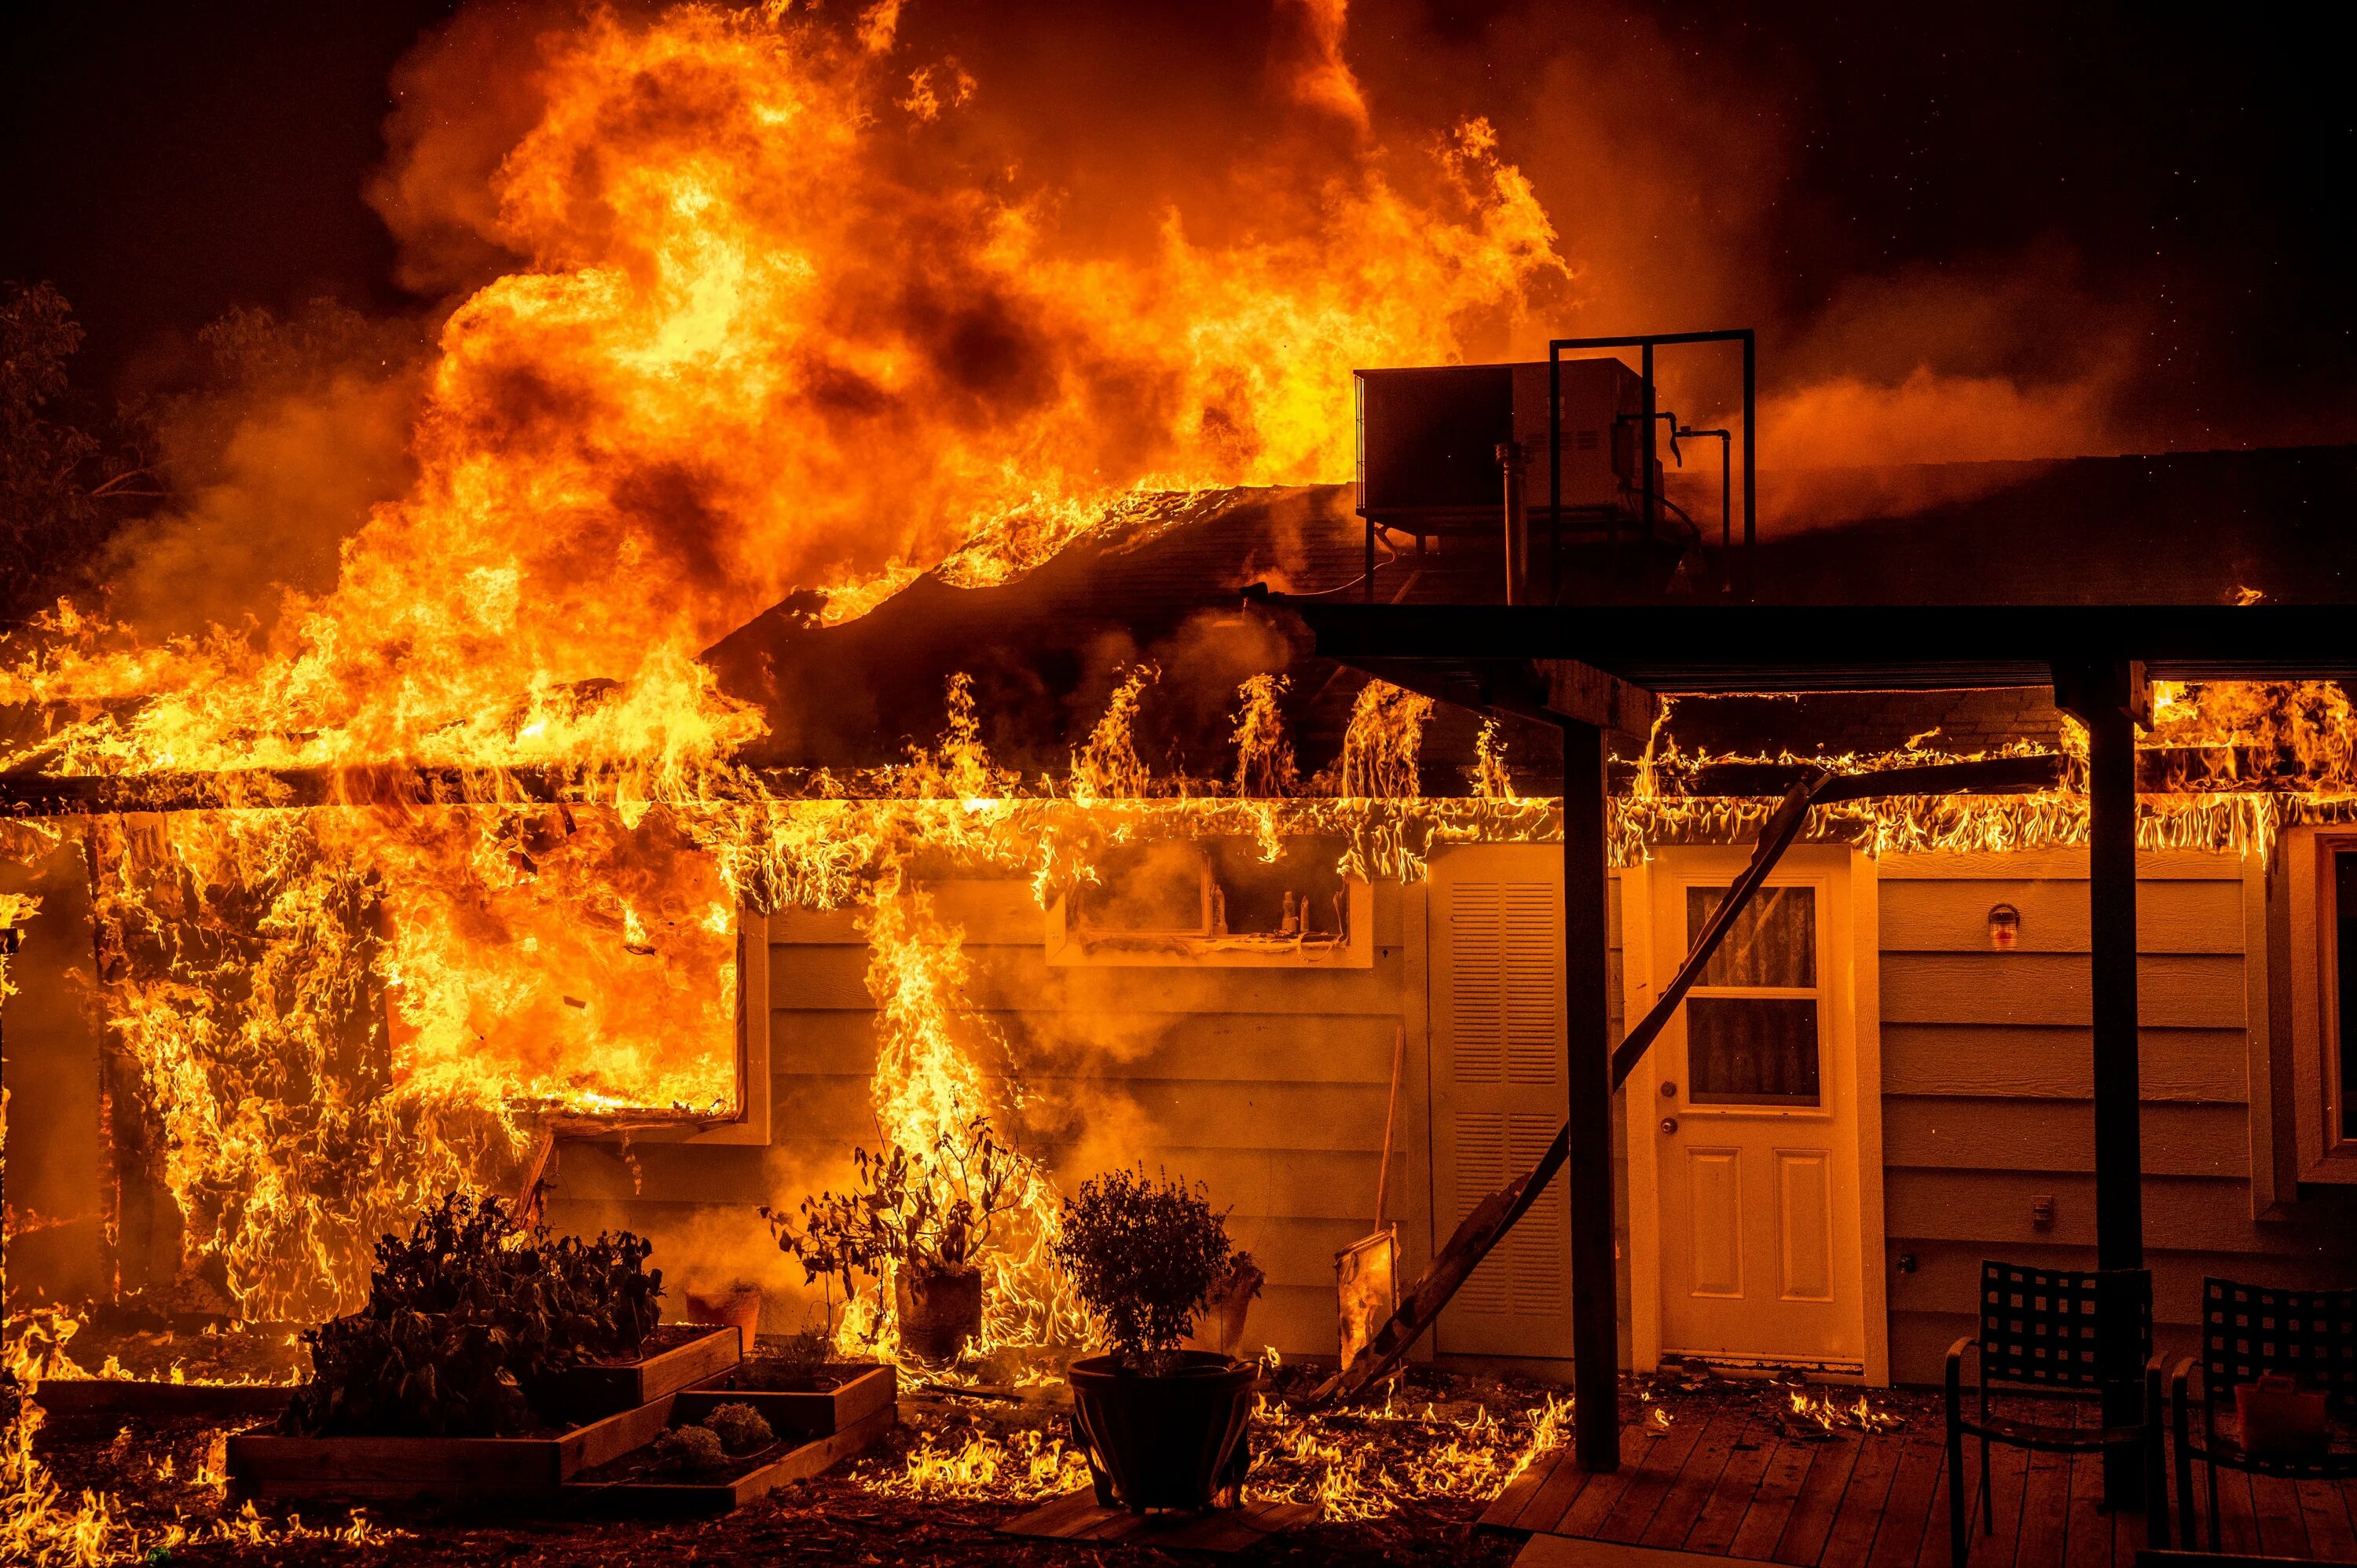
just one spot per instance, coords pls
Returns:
(1669, 1124)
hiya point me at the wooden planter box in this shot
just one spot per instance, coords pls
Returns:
(264, 1465)
(65, 1396)
(585, 1393)
(784, 1462)
(814, 1411)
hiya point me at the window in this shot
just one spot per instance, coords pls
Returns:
(2344, 988)
(1751, 1019)
(2320, 879)
(1217, 902)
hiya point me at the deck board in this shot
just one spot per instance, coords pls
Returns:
(1858, 1518)
(1804, 1539)
(1771, 1504)
(1732, 1478)
(1698, 1480)
(2327, 1513)
(1933, 1551)
(1634, 1514)
(1999, 1544)
(1721, 1515)
(1906, 1511)
(1596, 1501)
(2087, 1524)
(2238, 1527)
(2282, 1532)
(1546, 1509)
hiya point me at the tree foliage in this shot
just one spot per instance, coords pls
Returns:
(61, 482)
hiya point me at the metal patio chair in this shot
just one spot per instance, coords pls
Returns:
(2037, 1331)
(2247, 1332)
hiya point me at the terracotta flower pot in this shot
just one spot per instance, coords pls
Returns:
(941, 1309)
(1172, 1442)
(738, 1307)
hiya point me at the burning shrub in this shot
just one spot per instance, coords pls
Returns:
(1143, 1255)
(467, 1319)
(740, 1428)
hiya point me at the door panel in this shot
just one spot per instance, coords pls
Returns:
(1757, 1140)
(1715, 1177)
(1498, 1087)
(1804, 1223)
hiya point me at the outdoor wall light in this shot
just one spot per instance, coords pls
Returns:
(2005, 926)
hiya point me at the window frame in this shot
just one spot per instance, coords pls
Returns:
(2324, 1153)
(1821, 892)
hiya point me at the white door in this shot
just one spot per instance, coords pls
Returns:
(1495, 937)
(1751, 1110)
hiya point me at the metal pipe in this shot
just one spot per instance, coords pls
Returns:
(1510, 464)
(1554, 475)
(1648, 342)
(1726, 483)
(1650, 521)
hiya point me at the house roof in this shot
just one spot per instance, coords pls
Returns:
(2177, 530)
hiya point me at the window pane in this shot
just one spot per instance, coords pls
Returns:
(1745, 1050)
(1772, 942)
(2344, 904)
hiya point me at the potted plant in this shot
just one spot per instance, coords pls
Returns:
(1163, 1427)
(915, 1224)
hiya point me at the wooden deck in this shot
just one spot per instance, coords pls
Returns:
(1730, 1478)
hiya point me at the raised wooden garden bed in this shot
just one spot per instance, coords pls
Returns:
(677, 1355)
(833, 1399)
(264, 1464)
(633, 1485)
(149, 1397)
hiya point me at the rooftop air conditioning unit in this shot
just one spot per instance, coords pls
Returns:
(1428, 441)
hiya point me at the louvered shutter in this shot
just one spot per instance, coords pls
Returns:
(1498, 1087)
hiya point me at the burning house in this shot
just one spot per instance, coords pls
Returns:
(1558, 920)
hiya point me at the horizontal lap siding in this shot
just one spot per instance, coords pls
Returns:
(1987, 1078)
(1269, 1086)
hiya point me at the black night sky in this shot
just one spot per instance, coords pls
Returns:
(2172, 166)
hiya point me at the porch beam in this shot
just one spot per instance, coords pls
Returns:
(1587, 1054)
(1590, 696)
(2110, 698)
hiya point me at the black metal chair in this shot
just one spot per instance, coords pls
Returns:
(2248, 1331)
(2038, 1330)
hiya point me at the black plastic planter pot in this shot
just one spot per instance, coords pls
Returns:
(1174, 1442)
(941, 1309)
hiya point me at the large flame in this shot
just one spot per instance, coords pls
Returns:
(765, 328)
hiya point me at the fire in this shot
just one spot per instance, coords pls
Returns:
(1024, 1464)
(1824, 1412)
(1368, 1464)
(694, 391)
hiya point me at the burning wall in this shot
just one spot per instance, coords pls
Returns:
(685, 390)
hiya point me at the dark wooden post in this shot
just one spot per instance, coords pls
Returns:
(1587, 1045)
(2107, 699)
